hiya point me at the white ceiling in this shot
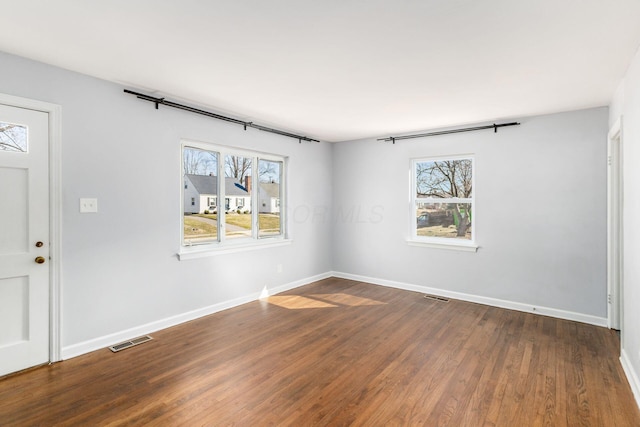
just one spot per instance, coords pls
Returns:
(342, 69)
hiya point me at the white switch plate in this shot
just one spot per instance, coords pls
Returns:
(88, 205)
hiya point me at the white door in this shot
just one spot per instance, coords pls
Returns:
(24, 238)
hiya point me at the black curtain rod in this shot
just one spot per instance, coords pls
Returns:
(444, 132)
(162, 101)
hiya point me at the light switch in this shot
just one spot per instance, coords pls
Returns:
(88, 205)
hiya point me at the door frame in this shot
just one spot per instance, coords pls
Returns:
(615, 234)
(54, 113)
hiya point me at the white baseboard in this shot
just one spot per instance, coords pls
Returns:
(494, 302)
(632, 375)
(101, 342)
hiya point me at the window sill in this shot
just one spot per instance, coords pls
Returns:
(454, 246)
(202, 251)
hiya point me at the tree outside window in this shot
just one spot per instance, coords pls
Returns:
(13, 137)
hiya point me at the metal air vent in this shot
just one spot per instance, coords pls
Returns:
(133, 342)
(436, 298)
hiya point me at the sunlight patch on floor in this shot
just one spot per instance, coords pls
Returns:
(296, 302)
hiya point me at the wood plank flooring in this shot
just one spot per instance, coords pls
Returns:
(337, 353)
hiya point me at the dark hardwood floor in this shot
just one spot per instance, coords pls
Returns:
(336, 353)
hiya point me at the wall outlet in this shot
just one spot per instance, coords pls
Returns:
(88, 205)
(279, 268)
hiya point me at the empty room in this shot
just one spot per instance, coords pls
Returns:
(368, 213)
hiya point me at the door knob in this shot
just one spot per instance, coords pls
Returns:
(40, 260)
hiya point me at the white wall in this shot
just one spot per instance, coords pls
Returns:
(626, 104)
(120, 269)
(540, 216)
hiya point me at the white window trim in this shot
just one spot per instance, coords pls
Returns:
(440, 242)
(455, 246)
(224, 246)
(207, 250)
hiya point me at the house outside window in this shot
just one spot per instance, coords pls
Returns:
(443, 201)
(211, 172)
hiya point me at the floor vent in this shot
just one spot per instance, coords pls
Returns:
(436, 298)
(126, 344)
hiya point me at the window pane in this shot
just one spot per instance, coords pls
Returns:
(13, 137)
(200, 222)
(449, 220)
(269, 198)
(237, 202)
(444, 178)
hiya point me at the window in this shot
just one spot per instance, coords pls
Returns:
(442, 201)
(244, 180)
(13, 137)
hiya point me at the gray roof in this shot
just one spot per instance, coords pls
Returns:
(206, 184)
(271, 189)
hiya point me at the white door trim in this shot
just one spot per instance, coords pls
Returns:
(54, 112)
(615, 233)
